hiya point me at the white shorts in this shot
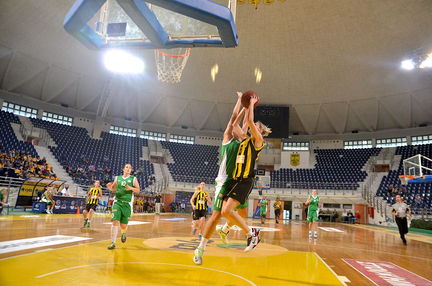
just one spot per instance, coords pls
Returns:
(219, 183)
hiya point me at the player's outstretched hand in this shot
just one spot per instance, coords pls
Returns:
(129, 188)
(253, 100)
(239, 93)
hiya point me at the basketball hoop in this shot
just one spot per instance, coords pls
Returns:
(405, 178)
(170, 65)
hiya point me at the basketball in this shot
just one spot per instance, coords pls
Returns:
(246, 98)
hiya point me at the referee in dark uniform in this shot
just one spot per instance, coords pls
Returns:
(401, 211)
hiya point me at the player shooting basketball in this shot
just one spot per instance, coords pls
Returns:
(244, 173)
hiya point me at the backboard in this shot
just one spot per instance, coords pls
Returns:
(417, 169)
(153, 24)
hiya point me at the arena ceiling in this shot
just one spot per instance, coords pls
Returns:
(335, 62)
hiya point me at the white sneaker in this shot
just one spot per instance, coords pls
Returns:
(198, 256)
(310, 234)
(47, 211)
(253, 241)
(316, 234)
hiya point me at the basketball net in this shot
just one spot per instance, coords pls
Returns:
(170, 65)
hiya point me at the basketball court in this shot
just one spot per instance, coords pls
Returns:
(159, 251)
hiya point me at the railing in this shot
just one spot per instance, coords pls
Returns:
(314, 185)
(35, 132)
(12, 185)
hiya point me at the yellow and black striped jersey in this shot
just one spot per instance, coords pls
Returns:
(93, 195)
(246, 156)
(201, 200)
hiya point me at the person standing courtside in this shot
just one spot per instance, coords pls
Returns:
(401, 211)
(277, 209)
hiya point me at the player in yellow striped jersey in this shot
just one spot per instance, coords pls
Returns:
(93, 197)
(199, 202)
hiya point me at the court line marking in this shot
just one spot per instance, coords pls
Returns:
(328, 267)
(343, 259)
(85, 242)
(153, 263)
(410, 271)
(367, 250)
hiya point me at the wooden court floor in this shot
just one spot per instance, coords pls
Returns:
(159, 251)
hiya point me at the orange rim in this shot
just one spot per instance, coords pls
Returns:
(409, 177)
(186, 54)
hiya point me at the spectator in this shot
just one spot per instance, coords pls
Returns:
(158, 203)
(350, 216)
(335, 215)
(418, 204)
(3, 197)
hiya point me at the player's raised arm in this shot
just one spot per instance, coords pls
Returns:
(229, 128)
(237, 131)
(256, 134)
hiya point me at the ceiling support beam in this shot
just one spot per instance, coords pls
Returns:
(204, 122)
(8, 67)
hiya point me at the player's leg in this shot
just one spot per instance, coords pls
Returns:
(201, 223)
(126, 213)
(47, 203)
(315, 223)
(310, 226)
(85, 215)
(49, 207)
(195, 219)
(277, 214)
(228, 212)
(90, 215)
(115, 218)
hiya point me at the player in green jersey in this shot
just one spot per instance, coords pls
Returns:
(263, 210)
(228, 155)
(312, 216)
(123, 187)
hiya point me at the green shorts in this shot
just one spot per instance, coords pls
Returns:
(121, 211)
(220, 191)
(312, 216)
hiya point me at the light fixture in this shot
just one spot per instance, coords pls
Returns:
(258, 75)
(408, 64)
(214, 71)
(122, 62)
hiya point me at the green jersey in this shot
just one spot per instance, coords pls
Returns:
(228, 155)
(122, 194)
(263, 205)
(313, 205)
